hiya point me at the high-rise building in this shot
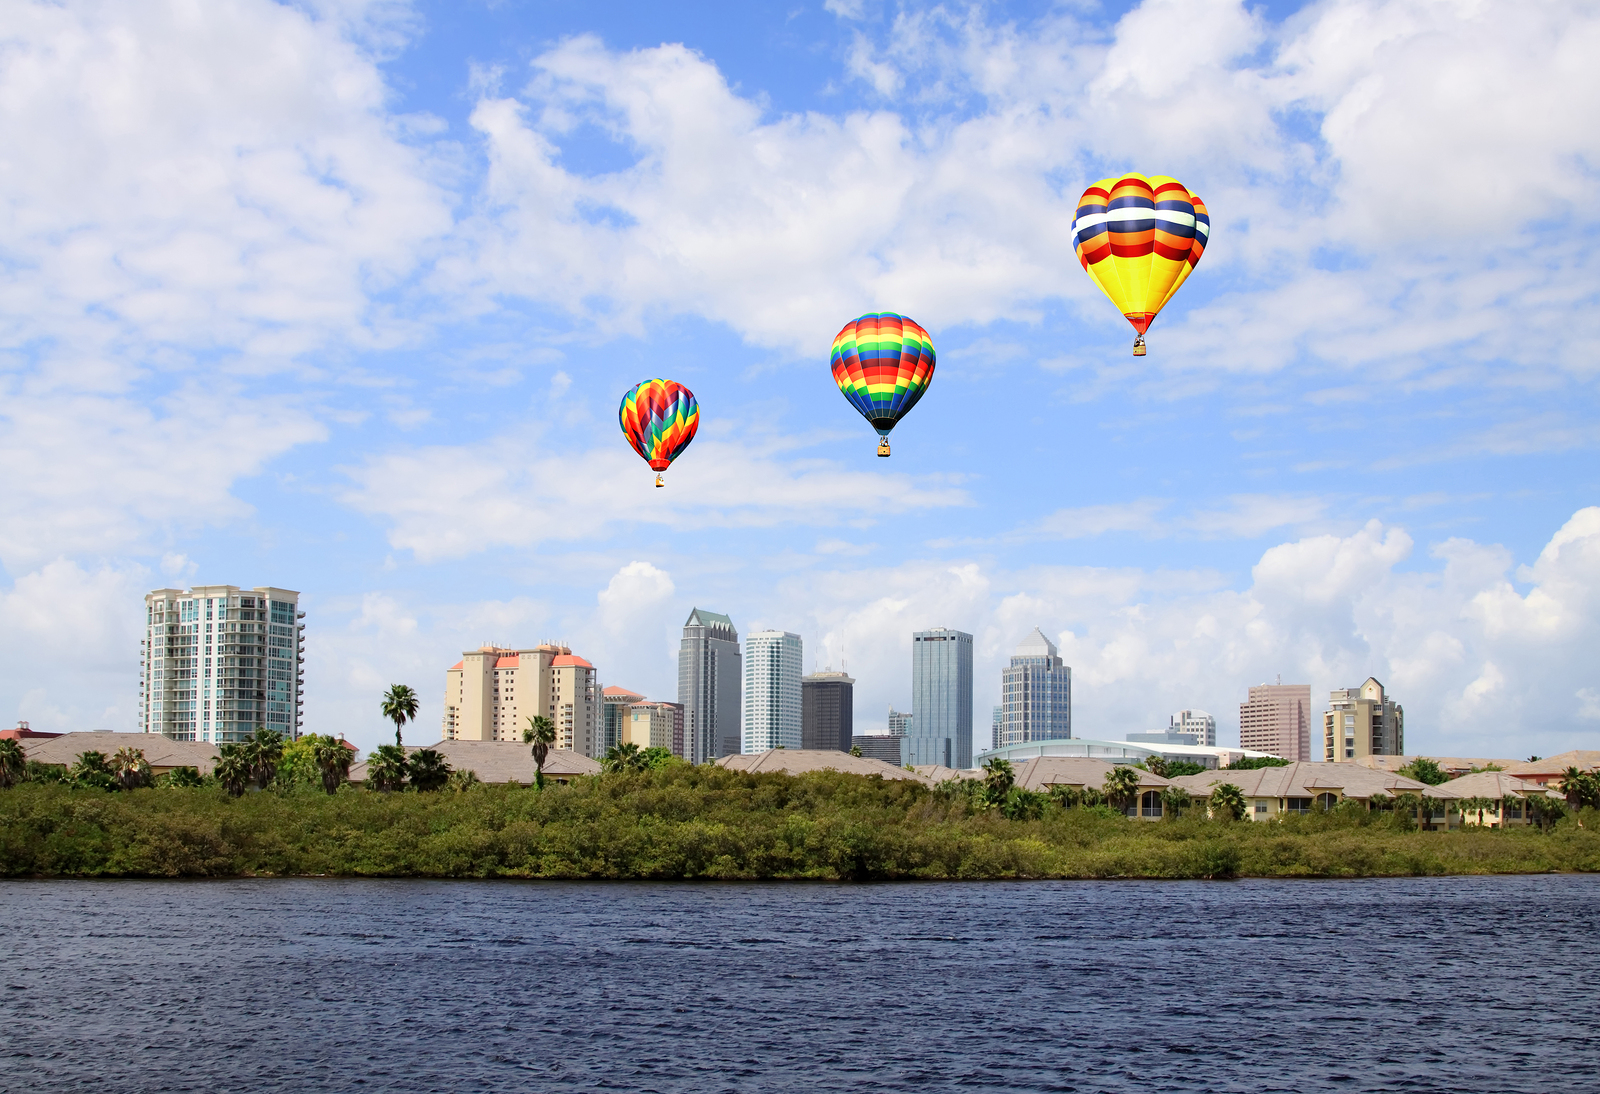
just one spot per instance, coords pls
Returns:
(709, 684)
(879, 747)
(1198, 725)
(217, 661)
(772, 661)
(1035, 694)
(1362, 722)
(490, 694)
(1276, 719)
(615, 702)
(899, 723)
(997, 719)
(827, 712)
(941, 698)
(649, 725)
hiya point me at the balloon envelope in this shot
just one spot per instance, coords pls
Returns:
(883, 363)
(659, 418)
(1138, 238)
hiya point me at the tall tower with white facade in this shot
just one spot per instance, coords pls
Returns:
(772, 701)
(217, 661)
(1035, 694)
(941, 698)
(709, 680)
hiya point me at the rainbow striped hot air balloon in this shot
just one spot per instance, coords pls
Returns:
(883, 363)
(1138, 238)
(659, 418)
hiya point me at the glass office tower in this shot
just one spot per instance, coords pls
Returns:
(941, 698)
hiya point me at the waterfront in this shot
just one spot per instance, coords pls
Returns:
(1414, 984)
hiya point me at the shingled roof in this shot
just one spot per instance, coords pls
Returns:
(800, 761)
(160, 753)
(500, 761)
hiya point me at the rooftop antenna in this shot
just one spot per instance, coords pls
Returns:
(1280, 679)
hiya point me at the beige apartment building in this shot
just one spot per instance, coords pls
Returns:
(1361, 722)
(649, 725)
(1276, 719)
(490, 694)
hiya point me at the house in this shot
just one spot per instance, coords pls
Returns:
(1552, 769)
(1494, 799)
(1453, 766)
(161, 753)
(1272, 792)
(1081, 772)
(23, 733)
(502, 762)
(800, 761)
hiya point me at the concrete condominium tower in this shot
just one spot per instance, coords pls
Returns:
(490, 694)
(1199, 725)
(709, 680)
(217, 661)
(827, 711)
(1035, 694)
(772, 707)
(941, 698)
(1362, 722)
(1277, 720)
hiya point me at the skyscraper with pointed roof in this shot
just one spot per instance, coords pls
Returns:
(709, 682)
(1035, 694)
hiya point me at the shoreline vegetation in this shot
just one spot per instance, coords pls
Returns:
(682, 822)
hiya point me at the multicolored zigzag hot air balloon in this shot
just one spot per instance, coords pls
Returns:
(883, 363)
(659, 418)
(1139, 238)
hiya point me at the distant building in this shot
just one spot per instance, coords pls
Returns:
(880, 747)
(490, 694)
(941, 698)
(772, 661)
(710, 678)
(899, 723)
(996, 720)
(1197, 724)
(1276, 719)
(1164, 737)
(216, 661)
(613, 721)
(1362, 722)
(827, 718)
(1035, 694)
(650, 725)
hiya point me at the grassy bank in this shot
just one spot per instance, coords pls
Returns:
(688, 822)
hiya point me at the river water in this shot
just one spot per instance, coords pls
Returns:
(1457, 984)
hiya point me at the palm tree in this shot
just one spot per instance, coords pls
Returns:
(1122, 787)
(1067, 797)
(429, 769)
(91, 770)
(541, 734)
(387, 768)
(263, 750)
(333, 760)
(1227, 801)
(1156, 765)
(1174, 800)
(129, 768)
(13, 763)
(233, 769)
(462, 779)
(400, 707)
(1572, 786)
(998, 778)
(624, 757)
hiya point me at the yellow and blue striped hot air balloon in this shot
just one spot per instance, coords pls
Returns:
(883, 363)
(1138, 239)
(659, 418)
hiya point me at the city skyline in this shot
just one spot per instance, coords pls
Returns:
(368, 337)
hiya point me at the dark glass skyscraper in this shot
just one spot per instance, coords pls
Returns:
(709, 682)
(827, 712)
(941, 698)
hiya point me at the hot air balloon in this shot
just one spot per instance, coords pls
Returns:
(659, 418)
(883, 363)
(1138, 238)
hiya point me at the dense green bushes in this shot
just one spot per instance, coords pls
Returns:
(698, 822)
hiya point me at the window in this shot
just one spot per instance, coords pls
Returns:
(1150, 803)
(1326, 802)
(1299, 805)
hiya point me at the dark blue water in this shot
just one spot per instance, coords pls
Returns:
(1460, 984)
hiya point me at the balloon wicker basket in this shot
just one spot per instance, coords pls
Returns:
(1138, 346)
(883, 446)
(659, 483)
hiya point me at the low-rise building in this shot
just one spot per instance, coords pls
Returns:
(1493, 799)
(1273, 792)
(1453, 766)
(801, 761)
(1552, 769)
(502, 762)
(163, 754)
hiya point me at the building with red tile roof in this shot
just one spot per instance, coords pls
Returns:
(492, 692)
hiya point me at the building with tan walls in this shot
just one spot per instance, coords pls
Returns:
(1362, 722)
(492, 692)
(1276, 719)
(649, 725)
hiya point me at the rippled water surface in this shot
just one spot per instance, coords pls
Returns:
(1459, 984)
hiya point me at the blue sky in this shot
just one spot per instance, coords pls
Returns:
(342, 297)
